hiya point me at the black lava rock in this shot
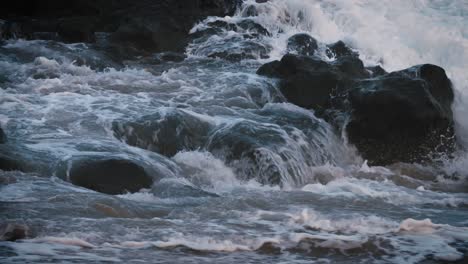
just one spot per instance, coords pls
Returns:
(145, 26)
(402, 116)
(340, 49)
(302, 44)
(111, 176)
(310, 82)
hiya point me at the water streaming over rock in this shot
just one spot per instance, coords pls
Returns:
(239, 174)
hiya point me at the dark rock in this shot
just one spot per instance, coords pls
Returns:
(339, 49)
(253, 28)
(376, 71)
(111, 176)
(222, 25)
(172, 56)
(164, 133)
(402, 116)
(152, 26)
(13, 232)
(9, 164)
(302, 44)
(248, 50)
(351, 67)
(78, 29)
(248, 26)
(144, 34)
(14, 29)
(309, 82)
(3, 137)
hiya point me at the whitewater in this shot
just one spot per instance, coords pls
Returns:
(309, 197)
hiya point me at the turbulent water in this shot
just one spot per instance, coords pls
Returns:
(60, 101)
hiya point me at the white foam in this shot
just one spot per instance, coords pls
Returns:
(393, 33)
(386, 191)
(70, 241)
(418, 226)
(203, 244)
(207, 171)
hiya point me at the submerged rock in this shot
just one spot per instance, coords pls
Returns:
(9, 164)
(302, 44)
(3, 137)
(13, 232)
(165, 133)
(111, 176)
(245, 147)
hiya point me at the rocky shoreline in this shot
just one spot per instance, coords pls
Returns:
(402, 116)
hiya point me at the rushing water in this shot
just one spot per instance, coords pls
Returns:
(59, 102)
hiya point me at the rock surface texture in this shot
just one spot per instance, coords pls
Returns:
(138, 26)
(402, 116)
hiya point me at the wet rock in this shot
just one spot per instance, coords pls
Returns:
(248, 27)
(152, 26)
(376, 71)
(309, 82)
(8, 164)
(3, 137)
(78, 29)
(111, 176)
(145, 34)
(402, 116)
(253, 28)
(165, 133)
(302, 44)
(15, 29)
(339, 49)
(13, 232)
(172, 56)
(235, 52)
(350, 67)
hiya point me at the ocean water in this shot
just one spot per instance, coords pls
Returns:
(308, 197)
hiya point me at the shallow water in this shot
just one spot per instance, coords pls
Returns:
(328, 207)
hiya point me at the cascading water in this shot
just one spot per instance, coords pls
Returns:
(240, 174)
